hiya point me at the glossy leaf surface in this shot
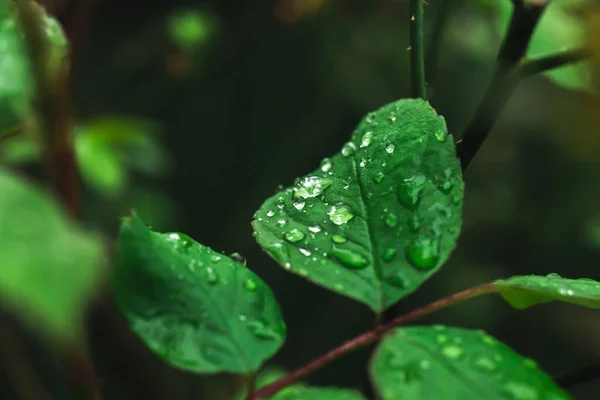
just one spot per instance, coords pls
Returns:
(197, 309)
(379, 217)
(435, 363)
(49, 268)
(526, 291)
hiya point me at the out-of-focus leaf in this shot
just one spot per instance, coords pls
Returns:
(435, 363)
(190, 28)
(197, 309)
(48, 268)
(526, 291)
(378, 218)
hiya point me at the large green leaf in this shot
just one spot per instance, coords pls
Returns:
(48, 268)
(439, 363)
(526, 291)
(378, 218)
(197, 309)
(16, 80)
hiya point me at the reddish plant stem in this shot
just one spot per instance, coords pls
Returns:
(369, 337)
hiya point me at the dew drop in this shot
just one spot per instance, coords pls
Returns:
(299, 203)
(393, 116)
(215, 258)
(441, 136)
(367, 139)
(326, 165)
(363, 163)
(238, 258)
(270, 213)
(280, 203)
(390, 147)
(348, 149)
(340, 214)
(456, 200)
(529, 363)
(423, 253)
(349, 258)
(520, 391)
(339, 239)
(294, 236)
(311, 186)
(485, 364)
(211, 276)
(371, 117)
(315, 228)
(391, 220)
(553, 275)
(389, 254)
(452, 352)
(305, 252)
(397, 280)
(441, 339)
(282, 221)
(409, 192)
(250, 285)
(278, 251)
(378, 177)
(262, 331)
(302, 272)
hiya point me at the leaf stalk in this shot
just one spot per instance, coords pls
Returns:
(417, 50)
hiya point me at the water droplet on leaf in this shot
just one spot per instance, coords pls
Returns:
(367, 139)
(250, 285)
(340, 214)
(441, 136)
(520, 391)
(294, 236)
(326, 165)
(423, 253)
(305, 252)
(485, 364)
(349, 258)
(371, 117)
(389, 254)
(311, 186)
(348, 149)
(270, 213)
(391, 220)
(238, 258)
(390, 147)
(378, 177)
(338, 239)
(409, 192)
(453, 352)
(299, 203)
(315, 228)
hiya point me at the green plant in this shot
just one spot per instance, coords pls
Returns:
(372, 223)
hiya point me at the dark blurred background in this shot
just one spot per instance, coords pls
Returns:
(225, 100)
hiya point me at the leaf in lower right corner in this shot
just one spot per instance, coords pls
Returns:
(439, 363)
(526, 291)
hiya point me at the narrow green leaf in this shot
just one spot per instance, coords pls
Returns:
(378, 218)
(526, 291)
(435, 363)
(197, 309)
(49, 268)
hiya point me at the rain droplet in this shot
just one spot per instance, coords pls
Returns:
(211, 276)
(389, 254)
(238, 258)
(302, 272)
(441, 339)
(456, 200)
(371, 117)
(326, 165)
(279, 251)
(485, 364)
(393, 116)
(391, 220)
(390, 147)
(340, 214)
(348, 149)
(349, 258)
(378, 177)
(553, 275)
(294, 236)
(262, 331)
(280, 203)
(215, 258)
(299, 203)
(305, 252)
(453, 352)
(270, 213)
(339, 287)
(367, 139)
(282, 221)
(250, 285)
(424, 253)
(520, 391)
(397, 280)
(339, 239)
(363, 162)
(441, 136)
(315, 228)
(311, 186)
(409, 192)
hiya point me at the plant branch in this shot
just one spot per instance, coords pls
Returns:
(52, 103)
(524, 20)
(417, 52)
(536, 65)
(371, 336)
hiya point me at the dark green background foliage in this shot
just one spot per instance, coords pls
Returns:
(218, 103)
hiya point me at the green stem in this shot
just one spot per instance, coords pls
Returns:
(524, 20)
(536, 65)
(370, 337)
(417, 52)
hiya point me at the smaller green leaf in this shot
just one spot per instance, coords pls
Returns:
(526, 291)
(197, 309)
(49, 268)
(435, 363)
